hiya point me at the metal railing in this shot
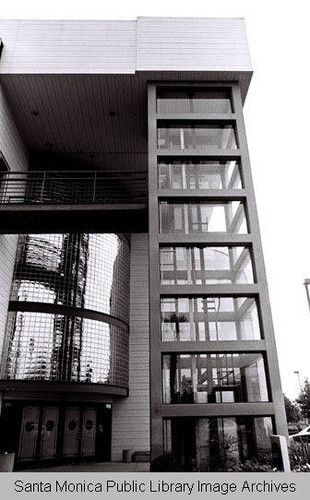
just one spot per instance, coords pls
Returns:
(73, 187)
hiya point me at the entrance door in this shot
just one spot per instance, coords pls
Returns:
(71, 432)
(103, 432)
(49, 432)
(52, 432)
(88, 432)
(29, 433)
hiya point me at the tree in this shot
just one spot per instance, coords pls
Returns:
(304, 399)
(292, 410)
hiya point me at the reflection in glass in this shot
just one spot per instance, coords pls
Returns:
(196, 136)
(90, 271)
(54, 347)
(215, 444)
(193, 101)
(214, 378)
(202, 217)
(209, 319)
(205, 265)
(80, 271)
(199, 175)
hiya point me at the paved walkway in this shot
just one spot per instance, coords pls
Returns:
(96, 467)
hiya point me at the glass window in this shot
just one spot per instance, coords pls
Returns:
(209, 319)
(199, 175)
(205, 265)
(214, 378)
(215, 444)
(196, 136)
(193, 100)
(203, 217)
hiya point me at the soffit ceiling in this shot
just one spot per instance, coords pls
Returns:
(89, 119)
(95, 121)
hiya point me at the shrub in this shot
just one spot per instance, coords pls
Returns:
(299, 454)
(252, 465)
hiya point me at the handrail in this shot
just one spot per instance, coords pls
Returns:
(125, 173)
(73, 187)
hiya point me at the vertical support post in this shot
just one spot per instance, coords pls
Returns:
(94, 186)
(154, 280)
(259, 265)
(1, 401)
(42, 187)
(307, 283)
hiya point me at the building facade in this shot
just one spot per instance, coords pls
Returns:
(134, 310)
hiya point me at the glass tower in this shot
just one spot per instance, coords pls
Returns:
(211, 333)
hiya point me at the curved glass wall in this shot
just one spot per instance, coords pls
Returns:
(90, 271)
(56, 347)
(61, 285)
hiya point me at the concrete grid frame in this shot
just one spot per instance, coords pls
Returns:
(259, 290)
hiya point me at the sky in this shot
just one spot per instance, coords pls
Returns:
(276, 112)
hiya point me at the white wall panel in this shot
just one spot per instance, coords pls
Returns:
(205, 44)
(131, 418)
(107, 47)
(11, 144)
(68, 46)
(14, 151)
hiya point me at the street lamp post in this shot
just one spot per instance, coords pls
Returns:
(297, 373)
(307, 283)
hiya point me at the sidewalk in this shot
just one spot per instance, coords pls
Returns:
(96, 467)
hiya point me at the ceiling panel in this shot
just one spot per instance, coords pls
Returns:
(99, 121)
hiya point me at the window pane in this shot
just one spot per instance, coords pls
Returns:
(214, 444)
(214, 378)
(200, 175)
(209, 319)
(205, 265)
(193, 101)
(202, 217)
(187, 136)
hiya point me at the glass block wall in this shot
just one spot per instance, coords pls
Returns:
(69, 309)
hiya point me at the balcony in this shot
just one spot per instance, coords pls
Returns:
(75, 201)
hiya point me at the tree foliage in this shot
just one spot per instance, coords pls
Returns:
(304, 399)
(292, 410)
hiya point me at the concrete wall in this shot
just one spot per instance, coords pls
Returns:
(131, 419)
(14, 152)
